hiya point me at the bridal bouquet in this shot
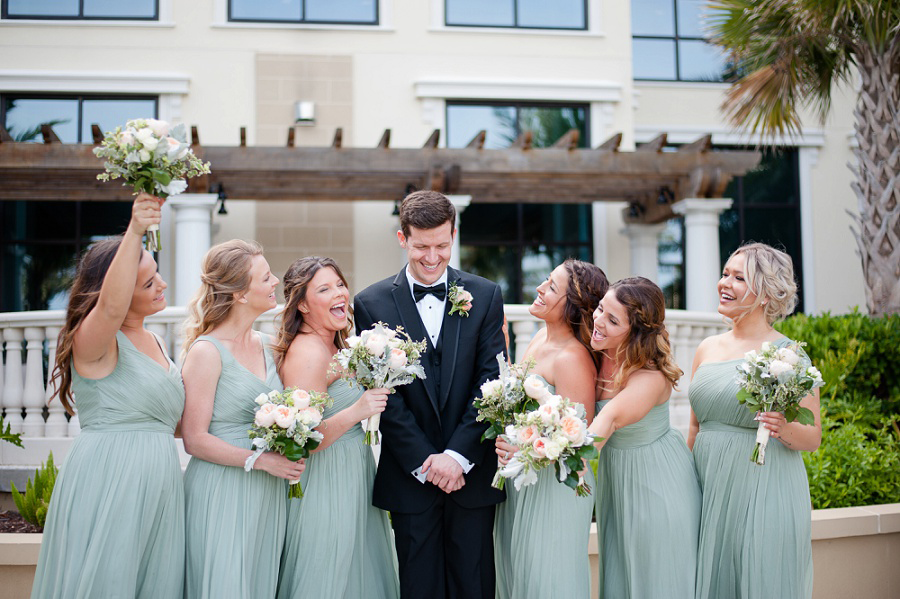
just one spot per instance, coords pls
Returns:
(285, 423)
(775, 380)
(514, 392)
(150, 156)
(380, 358)
(554, 434)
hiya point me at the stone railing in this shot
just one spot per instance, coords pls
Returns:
(29, 345)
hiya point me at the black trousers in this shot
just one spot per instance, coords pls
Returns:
(446, 552)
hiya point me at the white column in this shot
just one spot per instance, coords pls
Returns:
(34, 390)
(459, 202)
(701, 232)
(193, 236)
(643, 241)
(12, 383)
(57, 424)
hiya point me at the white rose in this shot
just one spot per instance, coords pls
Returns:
(144, 156)
(149, 142)
(553, 401)
(814, 373)
(535, 388)
(265, 415)
(778, 368)
(491, 388)
(397, 359)
(273, 394)
(548, 414)
(787, 355)
(159, 128)
(175, 187)
(552, 449)
(353, 341)
(766, 346)
(126, 139)
(261, 399)
(375, 344)
(300, 399)
(284, 416)
(310, 417)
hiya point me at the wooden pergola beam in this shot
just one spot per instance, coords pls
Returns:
(569, 140)
(612, 144)
(49, 135)
(478, 141)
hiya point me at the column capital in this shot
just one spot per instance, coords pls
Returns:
(460, 202)
(639, 230)
(193, 200)
(702, 205)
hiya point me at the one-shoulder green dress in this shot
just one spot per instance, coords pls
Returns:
(755, 532)
(234, 519)
(541, 537)
(115, 527)
(648, 511)
(338, 545)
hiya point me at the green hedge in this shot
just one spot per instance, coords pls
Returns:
(858, 462)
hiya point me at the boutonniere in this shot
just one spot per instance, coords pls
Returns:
(460, 300)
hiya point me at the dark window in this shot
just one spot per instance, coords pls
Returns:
(523, 14)
(334, 12)
(766, 208)
(132, 10)
(517, 245)
(668, 42)
(40, 241)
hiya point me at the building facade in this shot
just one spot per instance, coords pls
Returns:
(505, 66)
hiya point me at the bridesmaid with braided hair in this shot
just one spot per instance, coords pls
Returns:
(648, 497)
(541, 531)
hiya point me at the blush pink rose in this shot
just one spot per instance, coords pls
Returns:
(300, 399)
(397, 360)
(527, 434)
(265, 415)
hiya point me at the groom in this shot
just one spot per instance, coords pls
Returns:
(434, 474)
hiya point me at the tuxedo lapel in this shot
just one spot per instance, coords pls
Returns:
(412, 324)
(450, 339)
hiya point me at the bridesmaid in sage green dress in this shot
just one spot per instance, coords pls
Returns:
(338, 545)
(648, 499)
(541, 531)
(235, 506)
(115, 527)
(755, 538)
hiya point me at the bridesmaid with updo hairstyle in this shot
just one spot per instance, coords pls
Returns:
(541, 531)
(115, 527)
(648, 499)
(755, 533)
(235, 506)
(338, 545)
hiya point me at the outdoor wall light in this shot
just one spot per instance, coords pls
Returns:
(305, 113)
(665, 196)
(222, 197)
(635, 210)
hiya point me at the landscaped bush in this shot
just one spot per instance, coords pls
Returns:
(858, 462)
(34, 503)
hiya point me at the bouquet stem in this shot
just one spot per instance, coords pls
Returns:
(372, 436)
(762, 439)
(582, 489)
(153, 242)
(295, 491)
(499, 481)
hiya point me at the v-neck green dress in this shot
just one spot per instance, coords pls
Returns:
(234, 520)
(115, 527)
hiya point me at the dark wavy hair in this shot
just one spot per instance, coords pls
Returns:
(296, 283)
(587, 284)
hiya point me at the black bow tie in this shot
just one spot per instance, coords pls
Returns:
(438, 291)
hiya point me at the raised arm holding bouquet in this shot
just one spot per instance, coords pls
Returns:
(150, 156)
(380, 358)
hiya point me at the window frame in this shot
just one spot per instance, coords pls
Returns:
(4, 15)
(515, 26)
(675, 38)
(376, 23)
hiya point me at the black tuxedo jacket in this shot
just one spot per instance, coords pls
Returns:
(421, 419)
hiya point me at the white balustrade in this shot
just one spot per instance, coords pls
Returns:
(22, 384)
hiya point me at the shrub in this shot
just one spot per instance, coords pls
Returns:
(34, 503)
(858, 462)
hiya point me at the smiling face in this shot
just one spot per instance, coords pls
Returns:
(326, 302)
(261, 294)
(428, 251)
(149, 290)
(611, 325)
(550, 303)
(735, 295)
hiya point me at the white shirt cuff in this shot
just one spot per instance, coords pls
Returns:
(466, 464)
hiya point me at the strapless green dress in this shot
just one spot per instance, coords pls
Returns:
(541, 537)
(115, 527)
(338, 545)
(648, 511)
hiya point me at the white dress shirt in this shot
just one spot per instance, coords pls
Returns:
(431, 311)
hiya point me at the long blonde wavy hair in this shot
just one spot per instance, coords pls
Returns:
(647, 345)
(296, 284)
(225, 272)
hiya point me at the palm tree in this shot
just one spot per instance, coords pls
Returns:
(788, 53)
